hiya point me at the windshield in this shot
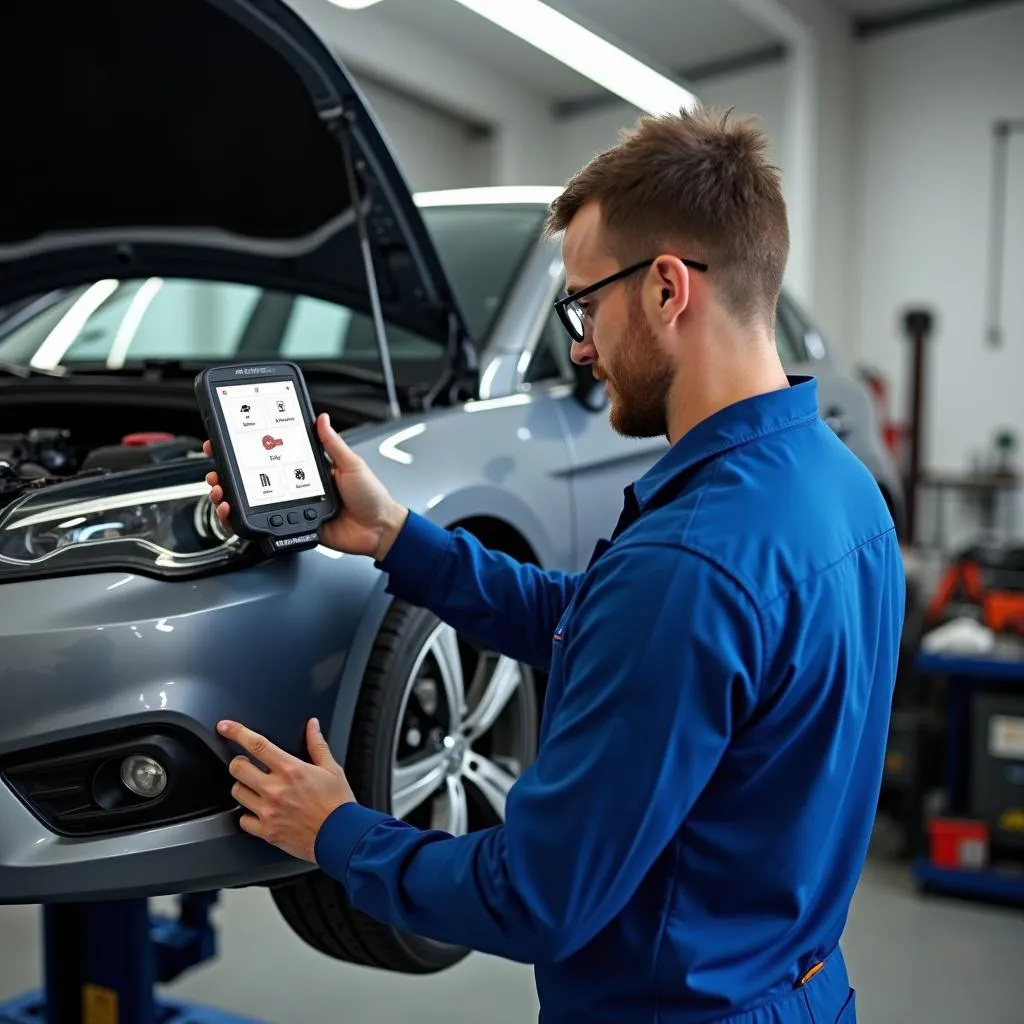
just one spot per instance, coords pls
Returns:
(482, 248)
(115, 323)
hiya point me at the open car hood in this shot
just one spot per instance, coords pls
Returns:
(203, 139)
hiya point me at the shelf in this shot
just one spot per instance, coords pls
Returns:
(991, 885)
(977, 666)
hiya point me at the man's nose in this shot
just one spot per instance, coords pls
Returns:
(583, 353)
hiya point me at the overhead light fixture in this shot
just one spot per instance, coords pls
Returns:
(486, 195)
(353, 5)
(586, 53)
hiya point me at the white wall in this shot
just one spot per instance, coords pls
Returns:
(923, 171)
(761, 91)
(433, 149)
(765, 92)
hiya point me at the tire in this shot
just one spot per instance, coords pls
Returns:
(404, 730)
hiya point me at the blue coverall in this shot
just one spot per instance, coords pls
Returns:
(686, 846)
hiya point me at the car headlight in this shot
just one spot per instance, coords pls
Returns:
(156, 519)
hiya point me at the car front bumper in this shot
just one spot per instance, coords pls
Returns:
(87, 660)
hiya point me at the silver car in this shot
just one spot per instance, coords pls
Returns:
(195, 209)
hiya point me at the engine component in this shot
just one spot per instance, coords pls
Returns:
(38, 453)
(140, 450)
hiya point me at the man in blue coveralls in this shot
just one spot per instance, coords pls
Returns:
(686, 846)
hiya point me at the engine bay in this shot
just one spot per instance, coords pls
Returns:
(48, 455)
(56, 431)
(52, 452)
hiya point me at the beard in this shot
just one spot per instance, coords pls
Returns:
(640, 381)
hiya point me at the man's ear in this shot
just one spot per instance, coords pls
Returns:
(672, 281)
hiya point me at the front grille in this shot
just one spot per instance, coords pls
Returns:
(75, 787)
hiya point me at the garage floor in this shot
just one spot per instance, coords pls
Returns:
(912, 960)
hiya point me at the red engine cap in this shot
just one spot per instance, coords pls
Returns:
(140, 440)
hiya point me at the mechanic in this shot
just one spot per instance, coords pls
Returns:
(688, 841)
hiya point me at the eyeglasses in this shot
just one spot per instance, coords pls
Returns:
(572, 314)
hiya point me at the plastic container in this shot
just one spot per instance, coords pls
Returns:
(959, 843)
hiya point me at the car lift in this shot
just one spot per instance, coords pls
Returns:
(103, 960)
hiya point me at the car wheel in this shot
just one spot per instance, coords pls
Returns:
(441, 731)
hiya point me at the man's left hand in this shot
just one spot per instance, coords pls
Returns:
(290, 801)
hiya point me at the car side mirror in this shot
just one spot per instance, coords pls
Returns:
(588, 391)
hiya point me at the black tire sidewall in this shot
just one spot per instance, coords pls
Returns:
(369, 766)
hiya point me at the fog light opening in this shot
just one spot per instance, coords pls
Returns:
(143, 775)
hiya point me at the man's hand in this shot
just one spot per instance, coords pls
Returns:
(370, 519)
(292, 799)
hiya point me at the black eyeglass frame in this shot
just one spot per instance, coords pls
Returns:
(561, 305)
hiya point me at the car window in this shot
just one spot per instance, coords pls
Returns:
(814, 346)
(316, 329)
(789, 335)
(550, 360)
(482, 249)
(116, 323)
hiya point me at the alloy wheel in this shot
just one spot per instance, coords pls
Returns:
(464, 735)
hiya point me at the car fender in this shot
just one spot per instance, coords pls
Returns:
(450, 484)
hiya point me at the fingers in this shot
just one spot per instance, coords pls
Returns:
(217, 496)
(223, 509)
(247, 773)
(341, 455)
(319, 750)
(252, 825)
(247, 798)
(208, 449)
(253, 743)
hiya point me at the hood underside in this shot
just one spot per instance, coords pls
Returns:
(204, 139)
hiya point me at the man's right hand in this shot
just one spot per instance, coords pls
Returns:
(370, 519)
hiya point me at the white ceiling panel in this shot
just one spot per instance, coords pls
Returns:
(449, 24)
(671, 34)
(675, 34)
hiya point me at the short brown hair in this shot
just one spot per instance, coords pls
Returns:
(698, 184)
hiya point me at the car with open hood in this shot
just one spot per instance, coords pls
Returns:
(192, 182)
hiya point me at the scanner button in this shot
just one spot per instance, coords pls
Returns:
(293, 517)
(310, 514)
(276, 520)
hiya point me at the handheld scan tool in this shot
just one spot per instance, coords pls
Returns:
(273, 470)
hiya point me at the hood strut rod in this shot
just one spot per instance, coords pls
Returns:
(341, 132)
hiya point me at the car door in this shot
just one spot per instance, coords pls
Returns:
(803, 352)
(602, 463)
(844, 401)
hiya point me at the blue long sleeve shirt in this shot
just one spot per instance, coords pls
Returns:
(688, 841)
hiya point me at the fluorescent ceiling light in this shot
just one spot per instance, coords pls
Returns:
(540, 195)
(353, 5)
(586, 53)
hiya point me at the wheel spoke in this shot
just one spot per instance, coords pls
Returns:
(505, 680)
(492, 781)
(451, 814)
(411, 784)
(444, 645)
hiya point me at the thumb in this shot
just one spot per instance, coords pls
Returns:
(319, 751)
(341, 455)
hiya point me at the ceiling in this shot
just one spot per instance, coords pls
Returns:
(674, 36)
(669, 34)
